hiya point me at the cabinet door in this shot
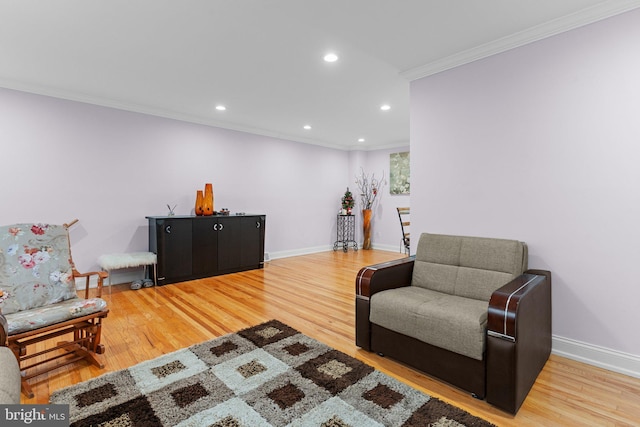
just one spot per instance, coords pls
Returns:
(229, 232)
(252, 241)
(205, 247)
(174, 249)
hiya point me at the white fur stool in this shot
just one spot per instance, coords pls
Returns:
(134, 259)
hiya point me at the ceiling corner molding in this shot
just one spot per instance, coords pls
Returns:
(157, 112)
(391, 145)
(533, 34)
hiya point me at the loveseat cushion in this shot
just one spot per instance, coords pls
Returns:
(35, 267)
(27, 320)
(9, 378)
(472, 267)
(447, 321)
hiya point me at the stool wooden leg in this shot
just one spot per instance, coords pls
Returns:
(109, 280)
(155, 274)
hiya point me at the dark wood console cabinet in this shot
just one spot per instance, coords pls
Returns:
(193, 247)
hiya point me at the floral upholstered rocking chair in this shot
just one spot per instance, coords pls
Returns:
(39, 301)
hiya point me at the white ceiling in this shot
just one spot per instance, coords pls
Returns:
(263, 58)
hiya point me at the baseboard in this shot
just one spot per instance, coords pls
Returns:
(317, 249)
(129, 275)
(297, 252)
(611, 360)
(116, 276)
(388, 248)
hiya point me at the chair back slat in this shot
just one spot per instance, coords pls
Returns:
(404, 212)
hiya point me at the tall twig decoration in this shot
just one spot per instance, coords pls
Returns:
(369, 187)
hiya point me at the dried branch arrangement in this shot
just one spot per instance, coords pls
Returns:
(369, 187)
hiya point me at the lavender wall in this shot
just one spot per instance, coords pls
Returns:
(542, 144)
(386, 232)
(111, 168)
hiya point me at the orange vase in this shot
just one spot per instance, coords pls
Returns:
(207, 202)
(199, 199)
(366, 228)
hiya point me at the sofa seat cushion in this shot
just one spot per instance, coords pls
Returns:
(451, 322)
(27, 320)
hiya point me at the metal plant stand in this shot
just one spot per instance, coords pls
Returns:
(346, 233)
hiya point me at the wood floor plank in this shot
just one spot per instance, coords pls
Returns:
(315, 294)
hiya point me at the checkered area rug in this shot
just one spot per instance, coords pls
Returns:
(266, 375)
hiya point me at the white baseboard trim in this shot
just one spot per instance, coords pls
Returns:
(124, 276)
(117, 277)
(388, 248)
(317, 249)
(611, 360)
(301, 251)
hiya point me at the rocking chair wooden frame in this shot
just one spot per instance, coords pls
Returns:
(85, 344)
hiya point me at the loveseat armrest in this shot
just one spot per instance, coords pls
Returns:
(518, 338)
(4, 330)
(383, 276)
(373, 279)
(100, 275)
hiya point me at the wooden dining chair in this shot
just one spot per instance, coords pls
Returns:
(403, 215)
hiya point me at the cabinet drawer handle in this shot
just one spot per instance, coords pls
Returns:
(257, 224)
(168, 229)
(215, 227)
(221, 227)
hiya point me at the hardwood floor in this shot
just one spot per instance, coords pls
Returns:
(315, 294)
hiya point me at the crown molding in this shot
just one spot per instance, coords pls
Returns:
(533, 34)
(174, 115)
(387, 146)
(164, 113)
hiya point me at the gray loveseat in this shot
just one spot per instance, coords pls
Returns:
(9, 376)
(463, 309)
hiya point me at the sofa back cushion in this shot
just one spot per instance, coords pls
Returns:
(471, 267)
(35, 266)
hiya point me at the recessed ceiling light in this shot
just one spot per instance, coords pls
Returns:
(385, 107)
(221, 107)
(360, 139)
(307, 127)
(331, 57)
